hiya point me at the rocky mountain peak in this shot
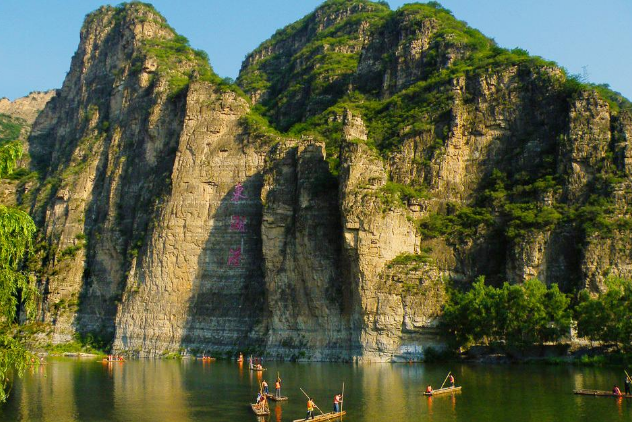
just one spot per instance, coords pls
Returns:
(140, 19)
(28, 107)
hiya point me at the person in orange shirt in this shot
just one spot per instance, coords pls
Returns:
(310, 409)
(277, 386)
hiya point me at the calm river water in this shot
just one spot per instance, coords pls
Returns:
(68, 390)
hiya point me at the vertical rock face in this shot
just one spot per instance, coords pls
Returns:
(588, 140)
(199, 277)
(105, 146)
(301, 250)
(176, 217)
(371, 239)
(394, 301)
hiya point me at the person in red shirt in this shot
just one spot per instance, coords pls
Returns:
(429, 389)
(616, 391)
(337, 401)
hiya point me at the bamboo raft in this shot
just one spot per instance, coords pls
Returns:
(326, 417)
(600, 393)
(275, 398)
(443, 391)
(252, 368)
(258, 411)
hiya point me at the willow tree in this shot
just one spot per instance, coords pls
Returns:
(16, 289)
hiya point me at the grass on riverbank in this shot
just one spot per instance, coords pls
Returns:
(79, 344)
(610, 359)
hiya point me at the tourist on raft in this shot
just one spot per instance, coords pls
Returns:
(310, 409)
(277, 386)
(337, 401)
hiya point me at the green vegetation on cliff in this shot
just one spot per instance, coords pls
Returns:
(351, 56)
(10, 128)
(298, 81)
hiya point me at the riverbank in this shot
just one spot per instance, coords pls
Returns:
(579, 354)
(576, 352)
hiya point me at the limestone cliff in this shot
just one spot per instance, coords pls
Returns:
(26, 108)
(105, 146)
(302, 254)
(16, 119)
(372, 156)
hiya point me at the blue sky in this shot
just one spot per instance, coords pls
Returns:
(585, 36)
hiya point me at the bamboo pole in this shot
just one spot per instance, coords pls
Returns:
(343, 396)
(309, 398)
(446, 378)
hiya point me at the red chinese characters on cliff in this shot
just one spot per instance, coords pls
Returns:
(234, 257)
(238, 193)
(237, 224)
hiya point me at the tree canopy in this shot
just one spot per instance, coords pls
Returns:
(16, 289)
(519, 314)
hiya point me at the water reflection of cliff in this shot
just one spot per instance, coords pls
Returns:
(45, 384)
(152, 390)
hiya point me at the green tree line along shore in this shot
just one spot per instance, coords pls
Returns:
(532, 313)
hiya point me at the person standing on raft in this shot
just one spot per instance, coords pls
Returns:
(310, 409)
(627, 384)
(451, 379)
(277, 386)
(264, 384)
(337, 401)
